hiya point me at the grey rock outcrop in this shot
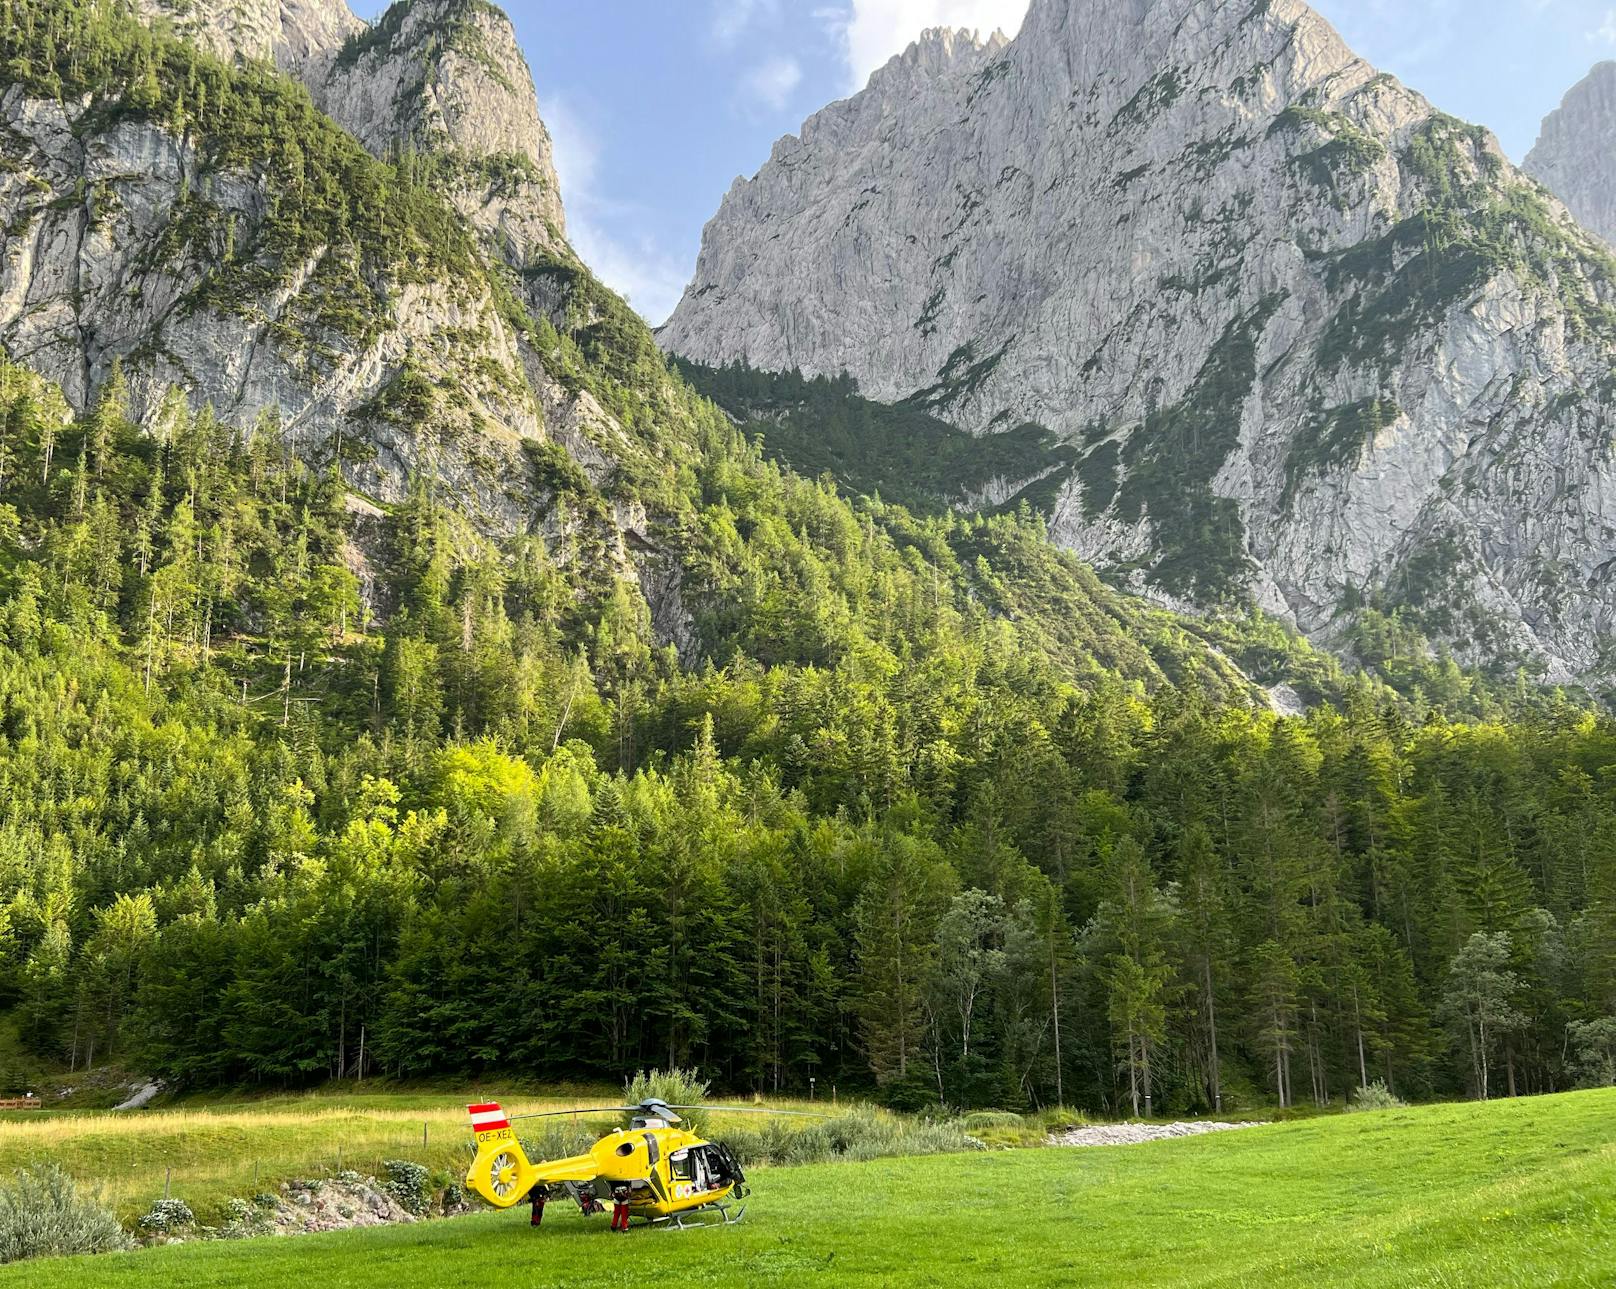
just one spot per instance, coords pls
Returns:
(445, 80)
(1320, 344)
(115, 233)
(298, 36)
(126, 242)
(1575, 155)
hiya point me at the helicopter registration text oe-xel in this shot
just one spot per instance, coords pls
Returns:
(652, 1170)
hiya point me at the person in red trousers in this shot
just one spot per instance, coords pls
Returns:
(537, 1199)
(620, 1208)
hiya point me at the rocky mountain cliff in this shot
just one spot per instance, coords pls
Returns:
(1575, 155)
(182, 227)
(1317, 342)
(205, 227)
(442, 78)
(298, 36)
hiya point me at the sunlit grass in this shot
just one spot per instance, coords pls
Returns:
(207, 1151)
(1513, 1193)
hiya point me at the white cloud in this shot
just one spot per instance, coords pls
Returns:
(576, 153)
(635, 266)
(1606, 31)
(732, 18)
(872, 31)
(773, 81)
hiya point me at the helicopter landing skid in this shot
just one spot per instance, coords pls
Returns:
(697, 1218)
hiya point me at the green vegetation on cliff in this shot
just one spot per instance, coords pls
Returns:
(900, 453)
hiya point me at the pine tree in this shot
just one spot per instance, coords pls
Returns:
(1137, 971)
(1208, 939)
(894, 922)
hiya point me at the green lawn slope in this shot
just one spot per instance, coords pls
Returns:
(1509, 1193)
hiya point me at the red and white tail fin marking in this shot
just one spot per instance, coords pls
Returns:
(487, 1117)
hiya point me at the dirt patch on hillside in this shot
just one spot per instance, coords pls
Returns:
(1134, 1134)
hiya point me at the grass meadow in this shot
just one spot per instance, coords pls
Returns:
(1511, 1193)
(207, 1150)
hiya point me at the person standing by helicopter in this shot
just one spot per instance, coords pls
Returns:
(537, 1198)
(620, 1196)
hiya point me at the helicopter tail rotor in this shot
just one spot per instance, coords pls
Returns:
(501, 1173)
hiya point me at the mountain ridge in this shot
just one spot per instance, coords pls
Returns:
(298, 36)
(405, 670)
(190, 231)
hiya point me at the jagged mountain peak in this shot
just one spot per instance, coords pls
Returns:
(939, 51)
(449, 77)
(1575, 154)
(444, 78)
(457, 78)
(1311, 336)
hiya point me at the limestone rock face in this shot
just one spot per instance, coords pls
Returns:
(444, 79)
(1575, 155)
(447, 77)
(1320, 345)
(115, 232)
(126, 244)
(382, 334)
(296, 35)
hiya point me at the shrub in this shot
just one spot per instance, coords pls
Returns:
(167, 1216)
(1377, 1096)
(242, 1220)
(43, 1213)
(980, 1119)
(1593, 1044)
(853, 1135)
(409, 1183)
(913, 1095)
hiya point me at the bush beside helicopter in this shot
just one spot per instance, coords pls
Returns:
(667, 1174)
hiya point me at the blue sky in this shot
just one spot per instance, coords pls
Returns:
(657, 105)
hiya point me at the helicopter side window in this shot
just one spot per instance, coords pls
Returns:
(683, 1166)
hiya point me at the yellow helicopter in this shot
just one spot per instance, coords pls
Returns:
(653, 1170)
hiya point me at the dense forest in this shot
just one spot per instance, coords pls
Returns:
(901, 452)
(298, 786)
(296, 793)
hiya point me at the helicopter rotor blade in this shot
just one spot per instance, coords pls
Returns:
(650, 1107)
(750, 1109)
(551, 1114)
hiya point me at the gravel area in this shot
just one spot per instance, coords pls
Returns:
(1133, 1134)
